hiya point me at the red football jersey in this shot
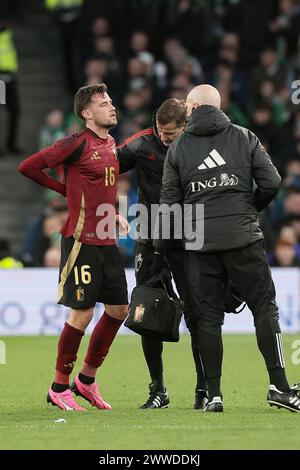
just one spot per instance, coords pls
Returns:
(91, 168)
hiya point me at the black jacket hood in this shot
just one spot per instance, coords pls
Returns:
(206, 120)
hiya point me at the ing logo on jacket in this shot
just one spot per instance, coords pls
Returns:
(225, 180)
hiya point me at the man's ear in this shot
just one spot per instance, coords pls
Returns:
(86, 114)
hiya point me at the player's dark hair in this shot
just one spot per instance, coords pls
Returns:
(84, 96)
(172, 110)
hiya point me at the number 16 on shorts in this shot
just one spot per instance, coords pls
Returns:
(82, 275)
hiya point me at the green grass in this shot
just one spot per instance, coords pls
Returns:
(27, 422)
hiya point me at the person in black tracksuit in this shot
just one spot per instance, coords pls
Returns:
(214, 162)
(146, 151)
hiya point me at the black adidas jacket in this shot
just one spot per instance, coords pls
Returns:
(214, 163)
(145, 152)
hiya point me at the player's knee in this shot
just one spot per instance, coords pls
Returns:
(119, 312)
(211, 325)
(80, 319)
(267, 318)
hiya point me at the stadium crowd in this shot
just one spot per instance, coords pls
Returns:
(150, 50)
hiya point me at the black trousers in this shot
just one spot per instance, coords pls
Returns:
(248, 268)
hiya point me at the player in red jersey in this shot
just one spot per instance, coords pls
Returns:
(91, 269)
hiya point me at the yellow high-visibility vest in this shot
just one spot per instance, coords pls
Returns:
(52, 4)
(10, 263)
(8, 53)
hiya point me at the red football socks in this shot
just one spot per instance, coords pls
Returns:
(100, 341)
(68, 346)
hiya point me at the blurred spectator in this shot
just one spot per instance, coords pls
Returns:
(291, 202)
(285, 255)
(191, 21)
(139, 42)
(147, 15)
(250, 19)
(135, 109)
(99, 27)
(52, 256)
(295, 224)
(263, 126)
(95, 71)
(182, 81)
(288, 234)
(53, 128)
(72, 124)
(293, 166)
(286, 25)
(67, 17)
(137, 74)
(102, 55)
(287, 203)
(8, 74)
(43, 230)
(235, 112)
(177, 93)
(269, 68)
(7, 261)
(51, 230)
(230, 80)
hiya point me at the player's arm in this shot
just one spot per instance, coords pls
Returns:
(126, 153)
(265, 174)
(171, 193)
(171, 190)
(33, 167)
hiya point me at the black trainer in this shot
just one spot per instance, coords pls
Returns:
(201, 399)
(289, 400)
(215, 405)
(156, 399)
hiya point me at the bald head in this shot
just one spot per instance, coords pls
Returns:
(200, 95)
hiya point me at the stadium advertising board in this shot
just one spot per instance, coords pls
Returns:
(28, 304)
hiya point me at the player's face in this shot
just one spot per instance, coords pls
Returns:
(102, 111)
(168, 132)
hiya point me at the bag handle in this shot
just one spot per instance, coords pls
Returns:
(166, 279)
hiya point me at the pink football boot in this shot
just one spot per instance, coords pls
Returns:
(90, 393)
(64, 400)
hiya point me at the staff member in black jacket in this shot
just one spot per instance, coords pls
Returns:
(214, 163)
(146, 151)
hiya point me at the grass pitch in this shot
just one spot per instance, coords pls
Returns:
(27, 422)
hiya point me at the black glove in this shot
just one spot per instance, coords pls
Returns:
(159, 262)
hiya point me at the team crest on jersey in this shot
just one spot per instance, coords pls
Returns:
(138, 262)
(95, 156)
